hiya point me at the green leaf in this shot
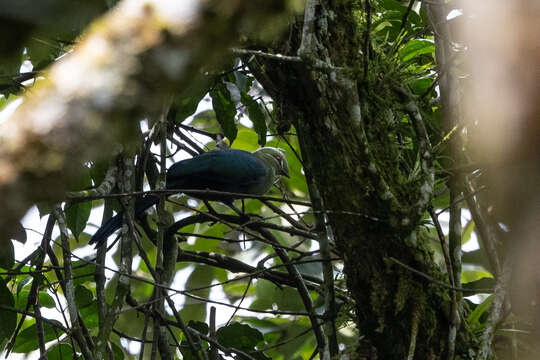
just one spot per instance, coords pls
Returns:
(200, 326)
(466, 232)
(37, 258)
(381, 26)
(297, 182)
(268, 294)
(482, 283)
(7, 254)
(118, 353)
(473, 275)
(441, 201)
(20, 233)
(83, 297)
(225, 109)
(98, 170)
(264, 291)
(44, 208)
(311, 268)
(10, 66)
(83, 272)
(81, 182)
(473, 320)
(89, 314)
(41, 54)
(201, 277)
(242, 81)
(416, 47)
(393, 5)
(60, 352)
(274, 328)
(239, 336)
(23, 282)
(8, 319)
(475, 257)
(28, 340)
(236, 289)
(77, 216)
(45, 300)
(246, 139)
(186, 106)
(257, 116)
(185, 349)
(420, 86)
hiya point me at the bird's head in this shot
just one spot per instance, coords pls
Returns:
(275, 158)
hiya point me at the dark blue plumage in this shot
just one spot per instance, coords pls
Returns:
(230, 170)
(114, 223)
(222, 170)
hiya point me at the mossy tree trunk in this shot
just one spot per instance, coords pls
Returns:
(351, 125)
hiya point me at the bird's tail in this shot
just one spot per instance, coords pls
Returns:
(114, 223)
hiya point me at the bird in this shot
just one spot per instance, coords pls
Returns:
(229, 170)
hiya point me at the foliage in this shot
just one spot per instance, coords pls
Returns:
(224, 260)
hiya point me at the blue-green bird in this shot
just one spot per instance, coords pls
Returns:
(231, 170)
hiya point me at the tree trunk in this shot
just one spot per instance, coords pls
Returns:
(350, 135)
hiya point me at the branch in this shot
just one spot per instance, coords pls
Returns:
(260, 53)
(123, 285)
(302, 290)
(501, 289)
(145, 52)
(406, 15)
(108, 183)
(450, 268)
(489, 236)
(435, 281)
(206, 193)
(69, 290)
(99, 275)
(325, 234)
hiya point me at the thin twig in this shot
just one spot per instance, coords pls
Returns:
(213, 348)
(227, 351)
(244, 294)
(488, 235)
(406, 15)
(302, 290)
(198, 131)
(450, 269)
(99, 275)
(433, 280)
(279, 57)
(325, 235)
(501, 290)
(202, 193)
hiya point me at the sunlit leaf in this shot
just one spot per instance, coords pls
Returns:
(415, 48)
(77, 216)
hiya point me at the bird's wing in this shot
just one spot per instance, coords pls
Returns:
(223, 170)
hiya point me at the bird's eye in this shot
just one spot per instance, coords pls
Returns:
(279, 159)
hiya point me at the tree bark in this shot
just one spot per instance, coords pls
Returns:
(349, 145)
